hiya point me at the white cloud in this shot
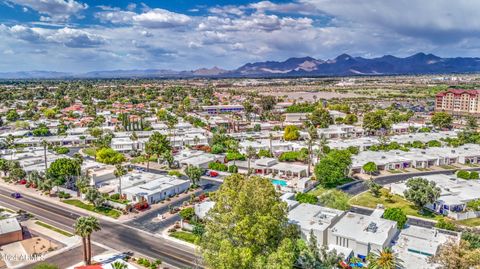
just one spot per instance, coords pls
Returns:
(116, 16)
(56, 10)
(161, 18)
(75, 38)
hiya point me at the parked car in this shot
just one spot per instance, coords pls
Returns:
(16, 195)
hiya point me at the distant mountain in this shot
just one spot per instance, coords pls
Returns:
(346, 65)
(342, 65)
(33, 74)
(215, 71)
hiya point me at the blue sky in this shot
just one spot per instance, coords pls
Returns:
(81, 35)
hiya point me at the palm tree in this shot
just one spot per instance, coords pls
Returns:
(119, 265)
(45, 144)
(251, 152)
(270, 136)
(384, 259)
(119, 172)
(84, 227)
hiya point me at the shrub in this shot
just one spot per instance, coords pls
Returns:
(474, 175)
(396, 214)
(264, 153)
(235, 156)
(187, 213)
(446, 225)
(306, 198)
(233, 169)
(218, 166)
(463, 174)
(174, 173)
(115, 196)
(62, 150)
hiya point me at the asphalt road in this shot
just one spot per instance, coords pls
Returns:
(146, 222)
(69, 258)
(361, 186)
(114, 235)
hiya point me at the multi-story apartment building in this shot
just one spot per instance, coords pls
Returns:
(458, 101)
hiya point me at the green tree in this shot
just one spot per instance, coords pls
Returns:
(84, 227)
(194, 173)
(376, 120)
(187, 213)
(291, 133)
(94, 196)
(109, 156)
(248, 226)
(421, 192)
(350, 119)
(333, 168)
(321, 118)
(384, 259)
(396, 214)
(312, 257)
(370, 168)
(471, 123)
(446, 225)
(374, 188)
(335, 199)
(454, 255)
(442, 120)
(306, 198)
(158, 145)
(62, 170)
(119, 172)
(251, 153)
(12, 115)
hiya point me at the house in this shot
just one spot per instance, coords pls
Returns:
(313, 218)
(362, 234)
(201, 209)
(217, 109)
(152, 188)
(454, 196)
(415, 245)
(10, 231)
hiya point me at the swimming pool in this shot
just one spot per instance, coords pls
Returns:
(280, 182)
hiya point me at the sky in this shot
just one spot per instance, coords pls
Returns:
(92, 35)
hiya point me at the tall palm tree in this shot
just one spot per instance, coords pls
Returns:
(251, 152)
(270, 136)
(84, 227)
(384, 259)
(119, 172)
(45, 144)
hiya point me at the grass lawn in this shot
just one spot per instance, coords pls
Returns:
(89, 151)
(185, 236)
(469, 222)
(319, 190)
(366, 199)
(448, 167)
(109, 212)
(393, 171)
(422, 169)
(55, 229)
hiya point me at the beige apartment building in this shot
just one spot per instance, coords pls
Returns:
(458, 101)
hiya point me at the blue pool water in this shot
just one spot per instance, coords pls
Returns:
(282, 183)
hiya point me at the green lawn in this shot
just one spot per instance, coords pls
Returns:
(89, 151)
(109, 212)
(393, 171)
(469, 222)
(366, 199)
(185, 236)
(319, 190)
(448, 167)
(55, 229)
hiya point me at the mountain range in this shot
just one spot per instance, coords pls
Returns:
(342, 65)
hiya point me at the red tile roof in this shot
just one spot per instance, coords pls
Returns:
(459, 91)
